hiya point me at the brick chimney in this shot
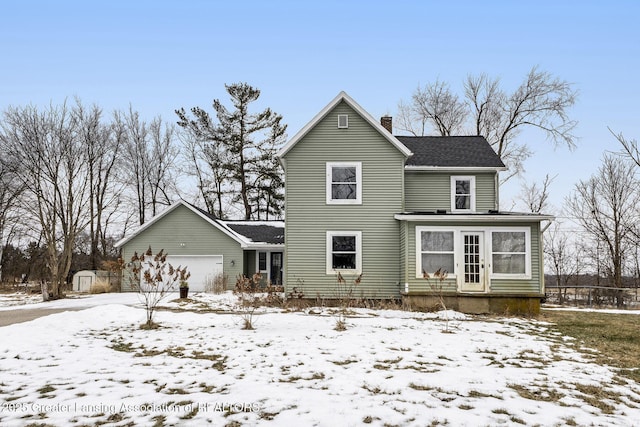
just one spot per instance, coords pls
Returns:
(387, 123)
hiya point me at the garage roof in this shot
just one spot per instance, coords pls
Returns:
(249, 234)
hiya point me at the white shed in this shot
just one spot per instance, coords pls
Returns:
(85, 279)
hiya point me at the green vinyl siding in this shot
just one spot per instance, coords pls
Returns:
(430, 191)
(418, 285)
(183, 232)
(309, 217)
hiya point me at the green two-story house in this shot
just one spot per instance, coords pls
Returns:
(392, 210)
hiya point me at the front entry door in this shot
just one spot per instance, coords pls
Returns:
(473, 275)
(275, 272)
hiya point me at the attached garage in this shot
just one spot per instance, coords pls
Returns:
(204, 244)
(203, 268)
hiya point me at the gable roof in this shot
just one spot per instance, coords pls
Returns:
(342, 96)
(254, 230)
(469, 152)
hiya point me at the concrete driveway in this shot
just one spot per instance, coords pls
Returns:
(26, 312)
(9, 317)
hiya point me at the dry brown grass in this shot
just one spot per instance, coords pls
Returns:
(615, 336)
(100, 286)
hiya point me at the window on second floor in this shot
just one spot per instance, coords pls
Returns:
(463, 193)
(344, 183)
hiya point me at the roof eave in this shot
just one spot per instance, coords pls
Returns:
(455, 168)
(452, 217)
(343, 96)
(262, 246)
(221, 227)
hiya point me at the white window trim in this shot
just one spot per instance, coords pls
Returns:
(472, 189)
(488, 250)
(329, 252)
(358, 199)
(456, 237)
(346, 118)
(527, 255)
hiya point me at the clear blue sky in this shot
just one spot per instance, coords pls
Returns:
(160, 55)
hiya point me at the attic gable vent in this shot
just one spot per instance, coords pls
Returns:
(343, 121)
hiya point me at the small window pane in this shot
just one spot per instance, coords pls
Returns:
(509, 263)
(262, 261)
(463, 187)
(509, 242)
(343, 191)
(437, 241)
(343, 174)
(432, 262)
(344, 261)
(344, 244)
(463, 202)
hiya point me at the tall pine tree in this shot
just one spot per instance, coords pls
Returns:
(240, 148)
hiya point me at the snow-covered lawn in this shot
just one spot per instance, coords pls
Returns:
(388, 368)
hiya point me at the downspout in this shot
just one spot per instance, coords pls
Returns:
(541, 249)
(496, 184)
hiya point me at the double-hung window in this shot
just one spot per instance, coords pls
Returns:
(463, 193)
(437, 251)
(344, 252)
(510, 257)
(344, 183)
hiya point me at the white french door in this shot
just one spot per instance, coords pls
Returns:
(472, 276)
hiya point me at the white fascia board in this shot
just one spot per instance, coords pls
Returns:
(473, 218)
(147, 224)
(343, 96)
(466, 169)
(264, 246)
(156, 218)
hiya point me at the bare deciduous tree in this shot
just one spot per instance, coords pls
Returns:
(52, 170)
(541, 102)
(102, 143)
(436, 105)
(563, 257)
(10, 191)
(606, 208)
(535, 196)
(150, 158)
(630, 147)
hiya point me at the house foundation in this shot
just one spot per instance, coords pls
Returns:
(528, 305)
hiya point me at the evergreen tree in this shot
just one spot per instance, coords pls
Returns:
(240, 151)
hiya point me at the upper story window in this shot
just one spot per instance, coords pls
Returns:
(344, 183)
(343, 121)
(463, 193)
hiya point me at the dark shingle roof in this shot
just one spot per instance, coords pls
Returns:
(451, 151)
(259, 232)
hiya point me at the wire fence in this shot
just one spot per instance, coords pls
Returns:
(593, 296)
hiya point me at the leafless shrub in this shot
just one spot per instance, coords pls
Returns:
(248, 301)
(216, 284)
(153, 278)
(437, 289)
(344, 297)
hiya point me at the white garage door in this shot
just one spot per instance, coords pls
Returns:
(202, 268)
